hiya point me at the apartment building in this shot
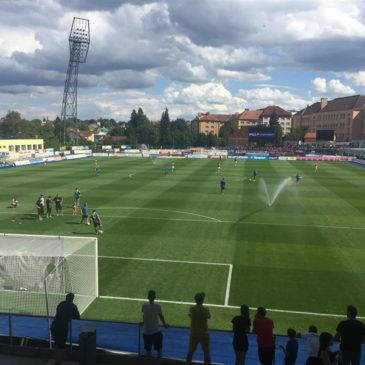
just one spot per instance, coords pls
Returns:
(209, 123)
(343, 115)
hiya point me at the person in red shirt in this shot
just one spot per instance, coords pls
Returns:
(263, 327)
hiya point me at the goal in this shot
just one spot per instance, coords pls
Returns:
(36, 272)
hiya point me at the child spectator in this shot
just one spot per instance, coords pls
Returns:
(311, 338)
(74, 208)
(291, 348)
(325, 356)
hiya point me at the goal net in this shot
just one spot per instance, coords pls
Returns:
(36, 272)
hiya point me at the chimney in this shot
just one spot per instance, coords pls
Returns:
(324, 102)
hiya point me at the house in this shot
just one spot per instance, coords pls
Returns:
(88, 135)
(100, 133)
(247, 118)
(284, 117)
(345, 116)
(209, 123)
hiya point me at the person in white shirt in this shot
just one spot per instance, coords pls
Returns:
(311, 339)
(152, 315)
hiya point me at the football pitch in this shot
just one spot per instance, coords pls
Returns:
(298, 249)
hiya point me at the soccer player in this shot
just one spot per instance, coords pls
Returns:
(166, 169)
(85, 214)
(316, 166)
(97, 222)
(14, 203)
(172, 166)
(219, 167)
(223, 185)
(235, 161)
(297, 178)
(77, 196)
(58, 201)
(254, 175)
(49, 206)
(97, 168)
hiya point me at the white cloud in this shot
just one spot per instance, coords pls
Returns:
(357, 78)
(337, 87)
(319, 84)
(332, 87)
(242, 76)
(213, 97)
(262, 97)
(17, 40)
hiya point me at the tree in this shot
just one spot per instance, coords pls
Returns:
(224, 133)
(165, 132)
(296, 134)
(180, 133)
(212, 140)
(274, 119)
(117, 131)
(12, 125)
(147, 134)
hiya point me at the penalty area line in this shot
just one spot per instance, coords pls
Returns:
(165, 260)
(227, 306)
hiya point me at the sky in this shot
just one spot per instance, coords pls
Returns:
(190, 56)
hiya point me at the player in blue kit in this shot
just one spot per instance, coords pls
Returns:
(85, 214)
(254, 175)
(297, 178)
(223, 185)
(77, 196)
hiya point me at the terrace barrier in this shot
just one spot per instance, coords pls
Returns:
(127, 337)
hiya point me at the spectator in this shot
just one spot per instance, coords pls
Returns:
(351, 332)
(325, 356)
(66, 311)
(311, 338)
(291, 348)
(199, 315)
(49, 202)
(241, 326)
(40, 209)
(152, 335)
(58, 201)
(263, 327)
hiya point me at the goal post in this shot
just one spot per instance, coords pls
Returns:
(36, 272)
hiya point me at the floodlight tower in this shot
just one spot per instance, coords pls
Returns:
(79, 41)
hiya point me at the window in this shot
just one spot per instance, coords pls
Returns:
(29, 147)
(24, 147)
(11, 148)
(17, 148)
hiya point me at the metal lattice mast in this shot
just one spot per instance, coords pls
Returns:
(79, 41)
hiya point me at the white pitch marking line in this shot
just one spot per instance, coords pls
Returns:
(162, 210)
(227, 306)
(213, 220)
(228, 287)
(165, 260)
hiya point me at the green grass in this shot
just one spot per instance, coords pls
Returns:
(305, 252)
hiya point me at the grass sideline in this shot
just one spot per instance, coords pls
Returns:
(303, 253)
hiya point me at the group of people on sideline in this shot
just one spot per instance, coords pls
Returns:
(350, 333)
(45, 205)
